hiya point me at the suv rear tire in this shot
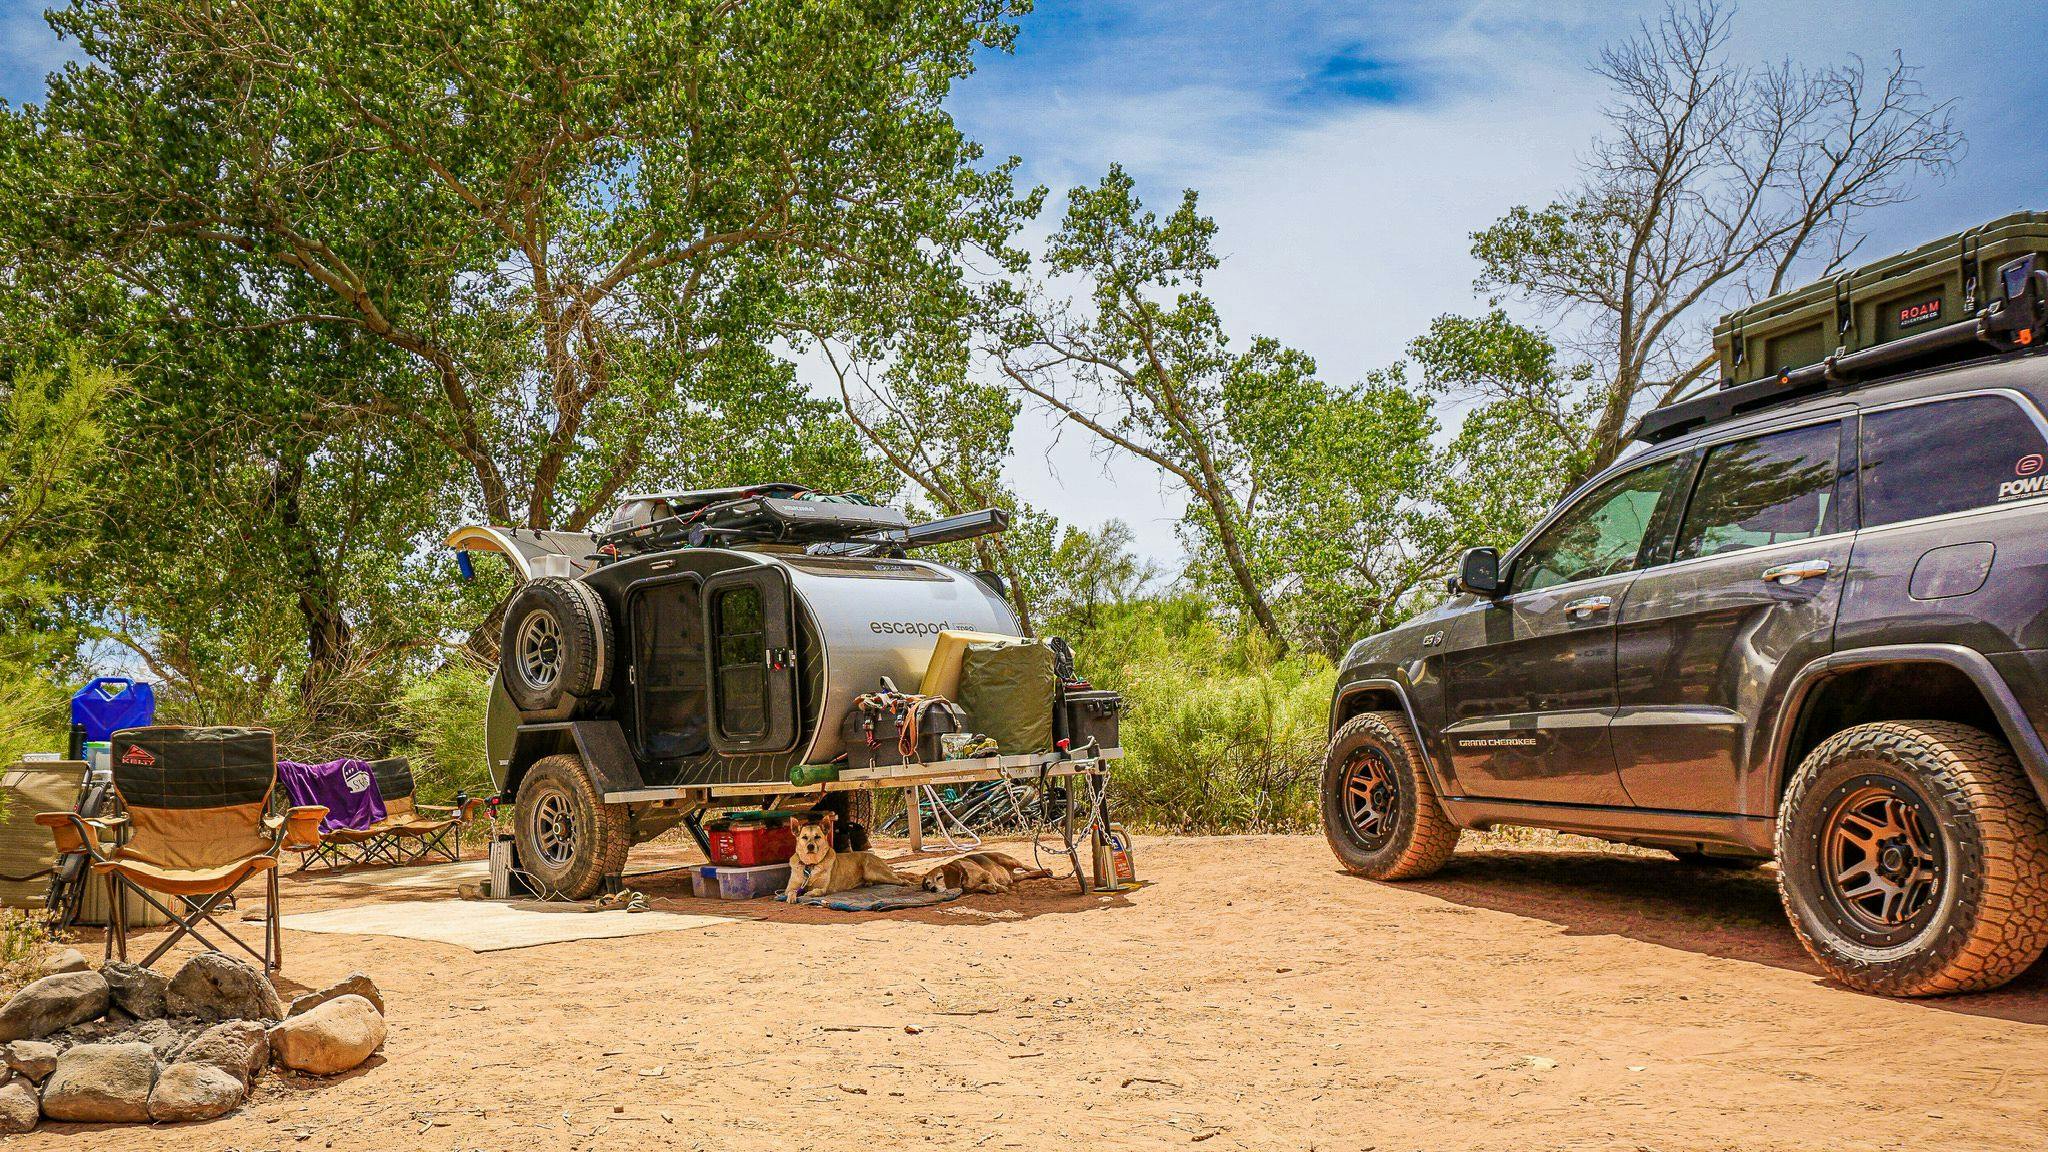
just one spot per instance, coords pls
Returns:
(569, 839)
(554, 648)
(1380, 812)
(1913, 859)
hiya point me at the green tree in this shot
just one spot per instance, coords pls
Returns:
(1713, 183)
(567, 220)
(1145, 365)
(1526, 433)
(50, 445)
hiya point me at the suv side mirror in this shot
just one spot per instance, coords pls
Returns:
(1478, 572)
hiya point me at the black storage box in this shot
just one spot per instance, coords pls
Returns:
(1091, 712)
(874, 739)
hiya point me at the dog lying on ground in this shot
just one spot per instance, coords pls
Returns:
(980, 872)
(818, 870)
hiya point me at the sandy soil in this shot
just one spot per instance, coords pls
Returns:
(1535, 996)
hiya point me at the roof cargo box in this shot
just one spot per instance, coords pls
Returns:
(1932, 287)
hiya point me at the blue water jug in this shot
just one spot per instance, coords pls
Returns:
(111, 703)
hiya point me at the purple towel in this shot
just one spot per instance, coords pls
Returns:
(346, 788)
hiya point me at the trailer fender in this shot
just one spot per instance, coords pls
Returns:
(600, 744)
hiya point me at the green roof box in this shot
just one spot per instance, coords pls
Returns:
(1948, 286)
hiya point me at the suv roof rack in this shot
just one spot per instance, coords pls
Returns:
(1875, 318)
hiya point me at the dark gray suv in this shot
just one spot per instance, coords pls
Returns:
(1815, 631)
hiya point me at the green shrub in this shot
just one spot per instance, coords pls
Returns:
(1218, 736)
(440, 725)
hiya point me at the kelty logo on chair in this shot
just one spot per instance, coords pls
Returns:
(138, 755)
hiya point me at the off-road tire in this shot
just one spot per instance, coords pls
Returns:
(1988, 919)
(1420, 837)
(599, 834)
(573, 616)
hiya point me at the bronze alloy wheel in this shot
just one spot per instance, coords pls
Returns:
(1372, 797)
(1882, 859)
(1379, 812)
(1913, 858)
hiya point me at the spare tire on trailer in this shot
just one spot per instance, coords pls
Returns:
(554, 648)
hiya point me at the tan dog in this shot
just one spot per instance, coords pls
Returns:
(980, 872)
(817, 870)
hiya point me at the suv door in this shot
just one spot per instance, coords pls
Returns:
(1530, 689)
(1706, 645)
(750, 626)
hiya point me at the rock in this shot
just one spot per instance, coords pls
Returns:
(32, 1058)
(51, 1003)
(163, 1037)
(356, 984)
(136, 990)
(19, 1107)
(189, 1091)
(239, 1047)
(216, 987)
(101, 1084)
(334, 1037)
(67, 960)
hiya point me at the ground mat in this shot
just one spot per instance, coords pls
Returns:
(489, 926)
(878, 898)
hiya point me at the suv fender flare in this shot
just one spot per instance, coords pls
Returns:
(1400, 691)
(2018, 731)
(600, 744)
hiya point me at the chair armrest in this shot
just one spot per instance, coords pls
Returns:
(299, 827)
(464, 811)
(75, 833)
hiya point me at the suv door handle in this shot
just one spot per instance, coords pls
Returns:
(1793, 573)
(1585, 607)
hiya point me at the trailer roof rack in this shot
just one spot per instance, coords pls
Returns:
(786, 514)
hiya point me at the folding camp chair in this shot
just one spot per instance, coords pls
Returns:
(408, 833)
(194, 801)
(419, 831)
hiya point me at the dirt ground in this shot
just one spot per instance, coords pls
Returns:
(1536, 995)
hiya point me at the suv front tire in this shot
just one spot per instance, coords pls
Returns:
(1913, 859)
(1380, 812)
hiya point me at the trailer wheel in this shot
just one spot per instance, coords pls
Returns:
(554, 647)
(1380, 813)
(569, 839)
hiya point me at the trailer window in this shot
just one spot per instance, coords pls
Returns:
(742, 664)
(668, 662)
(1949, 456)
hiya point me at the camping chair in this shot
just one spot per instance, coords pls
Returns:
(409, 832)
(420, 830)
(357, 828)
(194, 801)
(32, 875)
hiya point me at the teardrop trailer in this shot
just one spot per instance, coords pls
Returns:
(711, 650)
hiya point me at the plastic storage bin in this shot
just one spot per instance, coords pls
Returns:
(752, 883)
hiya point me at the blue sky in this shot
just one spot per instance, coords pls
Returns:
(1347, 149)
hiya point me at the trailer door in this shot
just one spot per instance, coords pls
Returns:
(750, 621)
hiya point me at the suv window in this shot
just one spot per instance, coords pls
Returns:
(1606, 532)
(1761, 491)
(1949, 456)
